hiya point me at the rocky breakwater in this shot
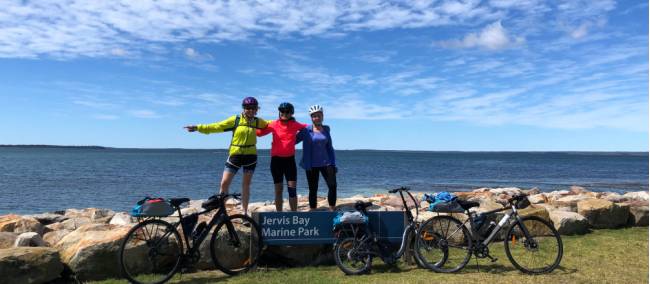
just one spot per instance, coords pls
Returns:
(85, 242)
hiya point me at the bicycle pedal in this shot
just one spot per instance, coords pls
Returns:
(493, 259)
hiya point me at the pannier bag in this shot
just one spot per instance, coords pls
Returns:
(350, 217)
(443, 202)
(152, 207)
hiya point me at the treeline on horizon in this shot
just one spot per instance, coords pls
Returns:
(360, 150)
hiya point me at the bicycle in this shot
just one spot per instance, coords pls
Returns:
(531, 243)
(153, 251)
(356, 244)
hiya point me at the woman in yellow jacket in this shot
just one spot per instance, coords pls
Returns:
(243, 150)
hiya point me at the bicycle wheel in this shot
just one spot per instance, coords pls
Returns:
(349, 257)
(541, 253)
(151, 252)
(444, 244)
(232, 256)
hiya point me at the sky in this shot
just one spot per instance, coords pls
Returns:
(496, 75)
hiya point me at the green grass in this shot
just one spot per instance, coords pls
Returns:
(604, 256)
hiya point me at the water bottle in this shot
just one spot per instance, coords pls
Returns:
(478, 221)
(198, 232)
(485, 233)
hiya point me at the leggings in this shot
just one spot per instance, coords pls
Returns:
(329, 174)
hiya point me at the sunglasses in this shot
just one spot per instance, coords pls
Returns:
(251, 108)
(286, 112)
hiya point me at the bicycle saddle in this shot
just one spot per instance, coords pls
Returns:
(467, 204)
(360, 205)
(178, 201)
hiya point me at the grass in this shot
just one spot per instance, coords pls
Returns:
(604, 256)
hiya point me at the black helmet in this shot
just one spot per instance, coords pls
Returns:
(286, 107)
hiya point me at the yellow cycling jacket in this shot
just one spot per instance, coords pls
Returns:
(243, 139)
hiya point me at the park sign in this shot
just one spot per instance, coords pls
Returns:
(304, 228)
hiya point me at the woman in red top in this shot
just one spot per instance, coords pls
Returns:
(283, 150)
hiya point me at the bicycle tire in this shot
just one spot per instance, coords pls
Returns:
(231, 259)
(436, 239)
(537, 227)
(141, 242)
(342, 254)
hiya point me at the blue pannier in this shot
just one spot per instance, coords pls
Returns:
(152, 207)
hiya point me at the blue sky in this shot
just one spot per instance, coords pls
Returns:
(421, 75)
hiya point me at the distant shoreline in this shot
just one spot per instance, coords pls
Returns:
(358, 150)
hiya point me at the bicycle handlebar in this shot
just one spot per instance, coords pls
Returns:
(399, 189)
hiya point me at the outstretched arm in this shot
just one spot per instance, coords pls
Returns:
(213, 127)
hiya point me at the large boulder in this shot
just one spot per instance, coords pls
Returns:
(92, 250)
(637, 195)
(75, 222)
(537, 198)
(603, 214)
(19, 224)
(569, 223)
(51, 238)
(29, 265)
(30, 239)
(48, 218)
(570, 201)
(7, 239)
(638, 216)
(122, 219)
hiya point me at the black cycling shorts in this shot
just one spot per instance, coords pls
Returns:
(283, 167)
(248, 162)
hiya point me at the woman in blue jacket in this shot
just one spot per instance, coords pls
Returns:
(318, 157)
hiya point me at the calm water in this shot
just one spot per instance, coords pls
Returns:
(34, 180)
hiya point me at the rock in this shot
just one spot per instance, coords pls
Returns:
(54, 237)
(510, 191)
(638, 216)
(7, 239)
(637, 195)
(53, 227)
(537, 198)
(48, 218)
(615, 197)
(574, 189)
(570, 201)
(265, 208)
(554, 195)
(30, 239)
(122, 219)
(533, 191)
(569, 223)
(18, 224)
(29, 265)
(75, 222)
(92, 250)
(550, 207)
(603, 214)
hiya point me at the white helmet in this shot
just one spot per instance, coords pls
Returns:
(315, 108)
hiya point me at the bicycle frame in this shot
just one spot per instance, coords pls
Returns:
(411, 228)
(500, 225)
(220, 216)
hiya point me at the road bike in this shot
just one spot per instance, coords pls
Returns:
(531, 243)
(357, 245)
(154, 250)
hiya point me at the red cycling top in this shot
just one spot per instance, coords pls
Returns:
(284, 136)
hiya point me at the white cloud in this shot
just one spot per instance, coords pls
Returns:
(493, 37)
(72, 28)
(144, 113)
(105, 117)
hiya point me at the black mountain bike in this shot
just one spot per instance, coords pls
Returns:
(356, 244)
(531, 243)
(153, 251)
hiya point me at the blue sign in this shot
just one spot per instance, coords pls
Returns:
(301, 228)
